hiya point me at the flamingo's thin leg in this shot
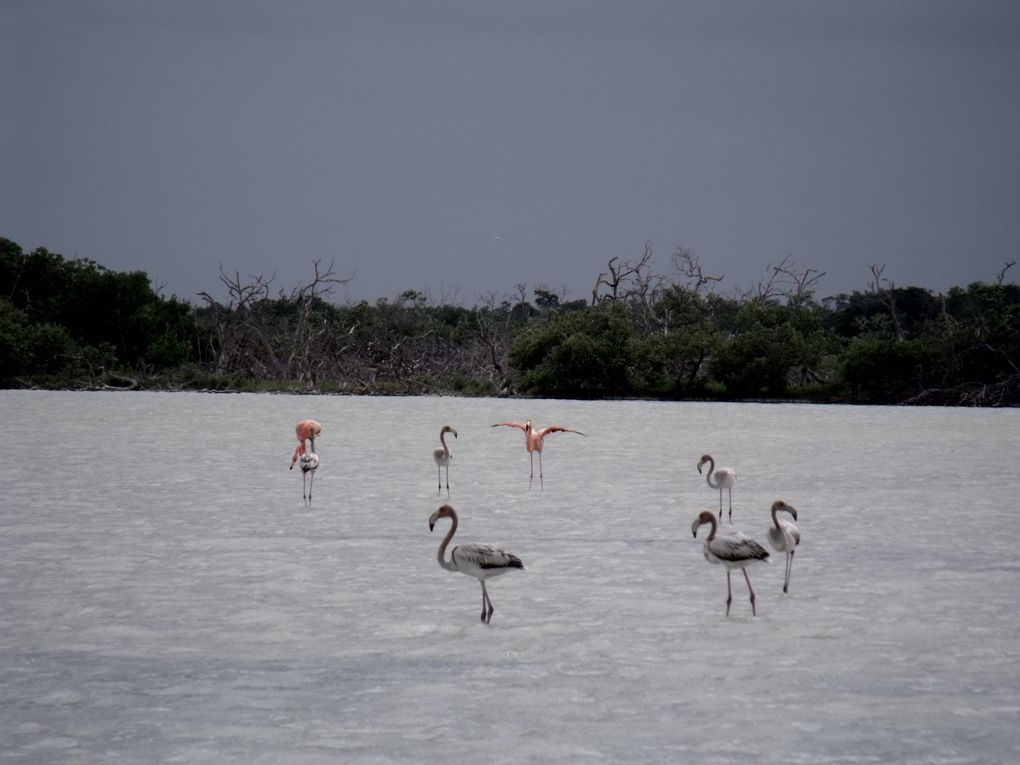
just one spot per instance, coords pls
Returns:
(729, 593)
(748, 580)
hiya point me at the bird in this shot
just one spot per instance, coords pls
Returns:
(309, 462)
(725, 478)
(442, 457)
(533, 442)
(784, 537)
(480, 561)
(306, 430)
(733, 551)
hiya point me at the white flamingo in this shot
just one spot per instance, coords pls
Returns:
(442, 457)
(480, 561)
(733, 551)
(725, 478)
(784, 537)
(309, 463)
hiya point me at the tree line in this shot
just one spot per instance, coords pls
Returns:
(76, 324)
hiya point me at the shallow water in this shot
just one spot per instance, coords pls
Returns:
(167, 596)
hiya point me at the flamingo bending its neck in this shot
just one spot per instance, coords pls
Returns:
(725, 478)
(442, 457)
(534, 440)
(480, 561)
(733, 551)
(306, 430)
(784, 537)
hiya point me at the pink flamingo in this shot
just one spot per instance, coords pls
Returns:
(733, 551)
(306, 430)
(725, 478)
(480, 561)
(533, 442)
(442, 457)
(784, 536)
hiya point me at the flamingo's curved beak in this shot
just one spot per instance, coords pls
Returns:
(432, 520)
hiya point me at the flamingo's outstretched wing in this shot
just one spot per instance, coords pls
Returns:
(556, 429)
(520, 425)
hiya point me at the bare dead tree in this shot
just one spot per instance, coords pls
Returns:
(303, 334)
(786, 280)
(253, 339)
(634, 272)
(493, 330)
(688, 264)
(887, 294)
(1001, 277)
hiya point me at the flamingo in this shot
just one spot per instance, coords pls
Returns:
(724, 479)
(480, 561)
(309, 462)
(784, 536)
(733, 551)
(442, 457)
(306, 430)
(533, 442)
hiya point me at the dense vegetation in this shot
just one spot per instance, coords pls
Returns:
(75, 324)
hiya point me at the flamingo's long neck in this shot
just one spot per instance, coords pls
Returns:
(441, 554)
(711, 533)
(442, 440)
(711, 472)
(775, 519)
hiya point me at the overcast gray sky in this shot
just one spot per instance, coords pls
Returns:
(462, 147)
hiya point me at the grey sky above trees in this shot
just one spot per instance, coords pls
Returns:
(462, 148)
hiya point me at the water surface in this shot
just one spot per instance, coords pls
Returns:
(167, 597)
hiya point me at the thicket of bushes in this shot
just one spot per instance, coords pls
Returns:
(75, 324)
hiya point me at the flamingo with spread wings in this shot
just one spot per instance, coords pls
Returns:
(534, 440)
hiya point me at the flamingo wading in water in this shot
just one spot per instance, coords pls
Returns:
(784, 537)
(480, 561)
(534, 441)
(735, 551)
(442, 457)
(309, 462)
(725, 478)
(306, 430)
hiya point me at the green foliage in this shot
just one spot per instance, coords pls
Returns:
(576, 354)
(75, 323)
(883, 371)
